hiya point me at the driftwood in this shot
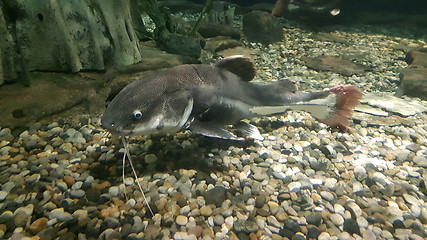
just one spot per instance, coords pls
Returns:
(67, 36)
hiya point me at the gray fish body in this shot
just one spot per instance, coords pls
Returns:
(201, 98)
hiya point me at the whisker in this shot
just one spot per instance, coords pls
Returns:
(123, 168)
(125, 144)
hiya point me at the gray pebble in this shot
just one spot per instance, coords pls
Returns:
(260, 176)
(218, 220)
(114, 191)
(354, 208)
(328, 196)
(360, 173)
(3, 195)
(411, 199)
(77, 193)
(331, 184)
(271, 220)
(337, 219)
(60, 215)
(294, 186)
(420, 161)
(5, 150)
(76, 185)
(8, 186)
(362, 222)
(184, 236)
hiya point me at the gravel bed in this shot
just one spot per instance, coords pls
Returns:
(304, 181)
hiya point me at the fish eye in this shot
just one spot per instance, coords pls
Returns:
(137, 114)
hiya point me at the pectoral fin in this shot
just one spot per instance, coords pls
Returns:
(249, 130)
(210, 129)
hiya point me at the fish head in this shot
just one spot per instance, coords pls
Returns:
(142, 111)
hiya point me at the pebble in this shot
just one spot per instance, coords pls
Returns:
(150, 158)
(3, 195)
(360, 173)
(218, 220)
(294, 186)
(328, 196)
(181, 220)
(114, 191)
(38, 225)
(206, 211)
(60, 215)
(337, 219)
(420, 161)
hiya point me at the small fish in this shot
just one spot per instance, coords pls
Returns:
(205, 98)
(282, 8)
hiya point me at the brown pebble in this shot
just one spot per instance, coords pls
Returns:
(206, 211)
(208, 232)
(38, 225)
(102, 185)
(281, 216)
(285, 196)
(69, 180)
(138, 206)
(21, 219)
(253, 236)
(104, 213)
(345, 176)
(196, 231)
(294, 196)
(304, 229)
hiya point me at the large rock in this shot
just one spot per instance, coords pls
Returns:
(208, 30)
(413, 79)
(262, 27)
(335, 64)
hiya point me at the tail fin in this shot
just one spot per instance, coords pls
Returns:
(318, 104)
(347, 97)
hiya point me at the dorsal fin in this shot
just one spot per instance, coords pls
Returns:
(240, 65)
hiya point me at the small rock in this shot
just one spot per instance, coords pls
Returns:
(337, 219)
(3, 195)
(294, 186)
(216, 195)
(314, 218)
(274, 207)
(420, 161)
(271, 220)
(206, 211)
(354, 208)
(114, 191)
(77, 193)
(360, 173)
(245, 226)
(60, 215)
(328, 196)
(184, 236)
(324, 236)
(350, 226)
(38, 225)
(150, 158)
(21, 219)
(260, 201)
(181, 220)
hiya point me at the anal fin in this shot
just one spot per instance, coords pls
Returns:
(210, 129)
